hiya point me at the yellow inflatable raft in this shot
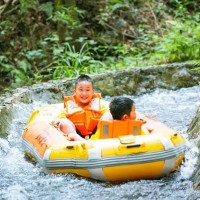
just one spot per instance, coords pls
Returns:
(122, 153)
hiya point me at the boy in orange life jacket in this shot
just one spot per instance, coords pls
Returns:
(121, 108)
(82, 110)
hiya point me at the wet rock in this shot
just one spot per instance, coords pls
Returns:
(5, 81)
(194, 133)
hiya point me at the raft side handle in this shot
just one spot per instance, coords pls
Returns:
(175, 134)
(133, 146)
(70, 147)
(75, 146)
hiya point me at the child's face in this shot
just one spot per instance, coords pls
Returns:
(84, 92)
(132, 113)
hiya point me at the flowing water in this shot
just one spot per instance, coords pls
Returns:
(21, 179)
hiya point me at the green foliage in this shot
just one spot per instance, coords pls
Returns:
(69, 63)
(181, 43)
(25, 4)
(196, 65)
(67, 16)
(19, 74)
(66, 61)
(47, 8)
(118, 34)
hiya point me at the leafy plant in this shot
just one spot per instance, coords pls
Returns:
(181, 43)
(67, 16)
(112, 35)
(73, 63)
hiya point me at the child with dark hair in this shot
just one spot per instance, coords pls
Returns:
(82, 111)
(122, 108)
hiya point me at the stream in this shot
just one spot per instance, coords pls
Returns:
(22, 179)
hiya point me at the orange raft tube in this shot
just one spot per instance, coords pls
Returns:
(128, 155)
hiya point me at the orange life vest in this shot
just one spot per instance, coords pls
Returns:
(85, 119)
(116, 128)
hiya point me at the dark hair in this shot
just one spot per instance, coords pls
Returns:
(120, 106)
(83, 77)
